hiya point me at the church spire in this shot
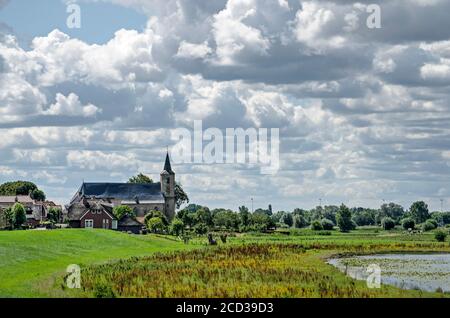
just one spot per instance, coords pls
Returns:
(167, 166)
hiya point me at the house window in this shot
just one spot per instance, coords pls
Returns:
(89, 224)
(105, 223)
(114, 224)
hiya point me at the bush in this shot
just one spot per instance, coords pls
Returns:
(316, 226)
(408, 223)
(428, 226)
(327, 224)
(387, 223)
(200, 229)
(156, 225)
(176, 227)
(440, 235)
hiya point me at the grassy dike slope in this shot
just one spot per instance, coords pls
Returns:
(29, 257)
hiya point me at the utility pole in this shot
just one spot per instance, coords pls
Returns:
(320, 202)
(442, 205)
(252, 205)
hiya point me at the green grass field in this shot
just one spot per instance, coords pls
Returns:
(28, 258)
(250, 265)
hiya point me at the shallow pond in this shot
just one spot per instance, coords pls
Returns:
(428, 272)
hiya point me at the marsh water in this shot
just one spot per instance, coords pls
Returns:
(428, 272)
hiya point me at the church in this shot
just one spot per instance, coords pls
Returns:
(92, 205)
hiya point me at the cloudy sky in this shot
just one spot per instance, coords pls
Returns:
(364, 114)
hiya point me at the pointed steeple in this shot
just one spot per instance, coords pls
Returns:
(167, 166)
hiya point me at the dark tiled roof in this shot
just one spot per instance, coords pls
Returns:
(122, 191)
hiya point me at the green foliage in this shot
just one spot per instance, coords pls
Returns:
(121, 210)
(156, 225)
(226, 219)
(419, 211)
(316, 226)
(429, 225)
(181, 196)
(54, 215)
(200, 229)
(391, 210)
(19, 215)
(176, 227)
(299, 221)
(344, 219)
(261, 222)
(408, 223)
(364, 217)
(327, 224)
(387, 223)
(103, 291)
(22, 188)
(244, 215)
(156, 214)
(141, 179)
(38, 195)
(440, 235)
(287, 219)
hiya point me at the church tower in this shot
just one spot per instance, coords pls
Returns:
(168, 188)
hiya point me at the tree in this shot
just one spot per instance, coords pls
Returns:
(8, 217)
(316, 226)
(177, 227)
(156, 225)
(140, 178)
(203, 215)
(392, 210)
(226, 219)
(121, 210)
(327, 224)
(408, 223)
(180, 196)
(22, 188)
(387, 223)
(156, 214)
(344, 219)
(54, 215)
(287, 219)
(19, 215)
(244, 215)
(299, 221)
(419, 211)
(38, 195)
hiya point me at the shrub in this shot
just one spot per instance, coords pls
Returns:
(316, 226)
(327, 224)
(408, 223)
(428, 226)
(440, 235)
(387, 223)
(200, 229)
(156, 225)
(103, 291)
(176, 227)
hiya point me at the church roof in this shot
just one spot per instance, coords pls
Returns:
(122, 191)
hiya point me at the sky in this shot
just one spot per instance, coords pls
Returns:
(363, 113)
